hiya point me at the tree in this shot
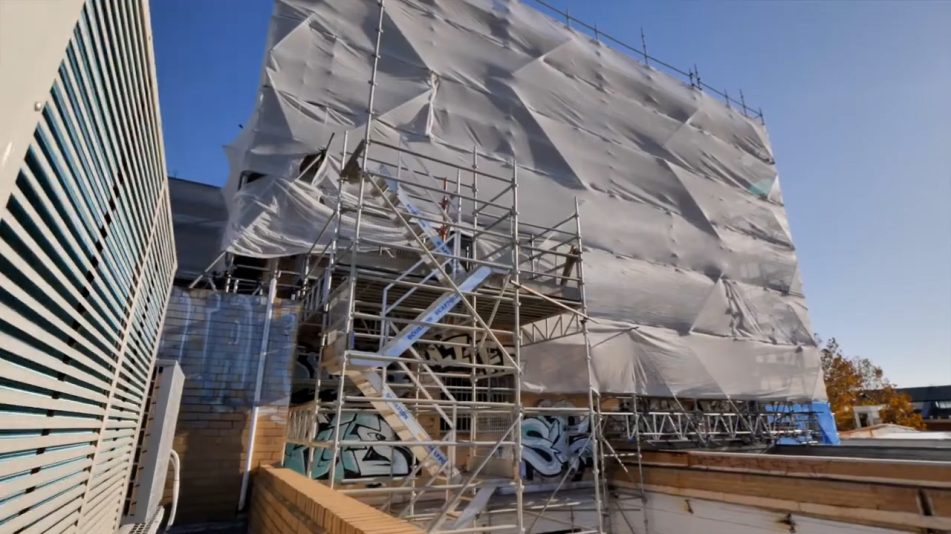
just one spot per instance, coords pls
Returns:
(858, 382)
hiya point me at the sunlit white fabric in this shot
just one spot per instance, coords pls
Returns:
(685, 231)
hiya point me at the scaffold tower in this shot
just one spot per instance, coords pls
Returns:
(427, 333)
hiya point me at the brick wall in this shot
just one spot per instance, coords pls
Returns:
(288, 502)
(216, 338)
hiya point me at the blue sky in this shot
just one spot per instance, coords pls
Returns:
(857, 100)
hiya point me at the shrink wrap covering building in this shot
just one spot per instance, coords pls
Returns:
(689, 264)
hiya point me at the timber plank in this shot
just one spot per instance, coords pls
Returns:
(934, 474)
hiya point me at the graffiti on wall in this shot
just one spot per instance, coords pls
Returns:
(446, 355)
(355, 461)
(440, 357)
(553, 444)
(216, 337)
(308, 363)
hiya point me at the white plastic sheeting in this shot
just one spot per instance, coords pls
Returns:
(688, 256)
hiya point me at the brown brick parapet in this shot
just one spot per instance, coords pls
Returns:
(284, 501)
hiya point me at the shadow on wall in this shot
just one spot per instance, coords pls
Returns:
(211, 448)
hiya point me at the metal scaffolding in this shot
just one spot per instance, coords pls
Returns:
(426, 333)
(673, 422)
(417, 296)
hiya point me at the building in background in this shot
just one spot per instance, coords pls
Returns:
(934, 405)
(87, 258)
(199, 215)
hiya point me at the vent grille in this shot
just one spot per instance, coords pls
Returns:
(86, 263)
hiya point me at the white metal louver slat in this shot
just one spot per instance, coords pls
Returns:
(46, 403)
(113, 283)
(27, 500)
(25, 464)
(46, 476)
(10, 421)
(40, 335)
(36, 513)
(31, 443)
(60, 521)
(25, 297)
(77, 271)
(101, 326)
(22, 374)
(51, 363)
(86, 265)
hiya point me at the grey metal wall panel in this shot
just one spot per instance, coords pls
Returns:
(199, 215)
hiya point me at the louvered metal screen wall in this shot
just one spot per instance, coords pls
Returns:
(86, 264)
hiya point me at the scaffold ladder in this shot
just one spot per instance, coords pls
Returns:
(363, 369)
(426, 320)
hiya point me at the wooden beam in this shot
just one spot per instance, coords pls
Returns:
(919, 473)
(892, 493)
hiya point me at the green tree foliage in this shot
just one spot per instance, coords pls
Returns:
(857, 381)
